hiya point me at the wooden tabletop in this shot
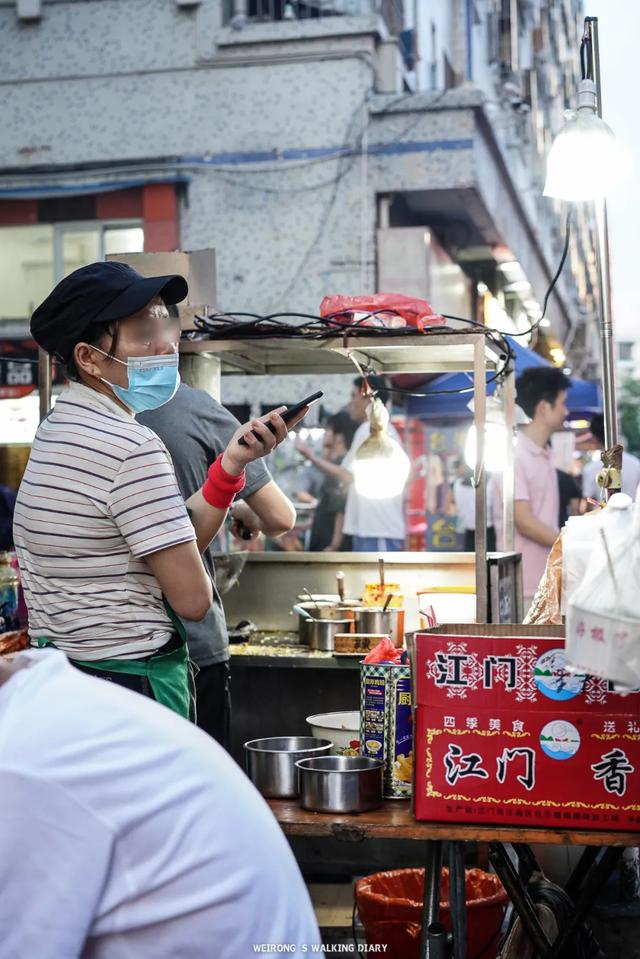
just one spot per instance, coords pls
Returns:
(394, 820)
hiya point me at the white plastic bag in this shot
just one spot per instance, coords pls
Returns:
(603, 611)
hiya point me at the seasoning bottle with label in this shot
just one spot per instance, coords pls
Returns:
(8, 594)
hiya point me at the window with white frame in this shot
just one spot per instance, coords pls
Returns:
(34, 258)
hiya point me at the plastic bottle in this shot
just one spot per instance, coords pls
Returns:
(8, 594)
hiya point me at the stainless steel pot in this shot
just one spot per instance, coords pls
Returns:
(371, 619)
(320, 612)
(271, 763)
(340, 784)
(322, 632)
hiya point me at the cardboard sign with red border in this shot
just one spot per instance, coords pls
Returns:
(506, 734)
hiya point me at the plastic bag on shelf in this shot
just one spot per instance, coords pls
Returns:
(603, 613)
(569, 558)
(391, 310)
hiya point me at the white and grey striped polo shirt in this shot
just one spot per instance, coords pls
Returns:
(98, 494)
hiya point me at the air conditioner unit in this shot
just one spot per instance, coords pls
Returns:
(29, 9)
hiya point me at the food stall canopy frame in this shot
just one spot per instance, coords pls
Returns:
(432, 352)
(583, 399)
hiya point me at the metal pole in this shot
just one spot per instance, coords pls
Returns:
(44, 382)
(480, 476)
(604, 273)
(431, 904)
(458, 899)
(508, 477)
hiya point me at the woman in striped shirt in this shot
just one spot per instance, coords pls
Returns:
(109, 552)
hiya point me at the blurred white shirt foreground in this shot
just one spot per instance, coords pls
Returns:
(127, 831)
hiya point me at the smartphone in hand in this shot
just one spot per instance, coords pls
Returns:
(291, 412)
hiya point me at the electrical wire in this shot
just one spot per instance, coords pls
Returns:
(565, 251)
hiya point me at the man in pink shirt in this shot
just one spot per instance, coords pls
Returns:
(541, 394)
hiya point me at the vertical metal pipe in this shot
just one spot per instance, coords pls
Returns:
(508, 476)
(480, 476)
(436, 945)
(44, 382)
(606, 329)
(458, 899)
(431, 903)
(604, 273)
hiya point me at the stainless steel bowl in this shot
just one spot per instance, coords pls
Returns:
(271, 763)
(340, 784)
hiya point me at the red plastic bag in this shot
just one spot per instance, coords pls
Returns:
(393, 310)
(384, 652)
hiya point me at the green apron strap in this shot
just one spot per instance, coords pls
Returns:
(168, 673)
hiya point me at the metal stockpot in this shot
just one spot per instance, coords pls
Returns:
(322, 632)
(371, 619)
(271, 763)
(320, 612)
(340, 784)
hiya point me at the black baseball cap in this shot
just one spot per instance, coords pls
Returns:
(94, 295)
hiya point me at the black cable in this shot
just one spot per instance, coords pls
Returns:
(565, 251)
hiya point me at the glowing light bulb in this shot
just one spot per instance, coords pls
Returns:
(381, 467)
(495, 447)
(585, 161)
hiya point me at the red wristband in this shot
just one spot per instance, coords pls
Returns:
(221, 487)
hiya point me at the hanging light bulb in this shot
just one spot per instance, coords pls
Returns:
(585, 161)
(381, 467)
(495, 447)
(495, 436)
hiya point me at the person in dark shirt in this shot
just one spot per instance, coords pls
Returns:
(7, 505)
(195, 428)
(326, 532)
(570, 495)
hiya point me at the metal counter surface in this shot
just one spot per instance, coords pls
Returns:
(278, 649)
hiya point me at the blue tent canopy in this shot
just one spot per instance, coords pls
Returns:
(583, 398)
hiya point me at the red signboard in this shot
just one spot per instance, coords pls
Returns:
(506, 734)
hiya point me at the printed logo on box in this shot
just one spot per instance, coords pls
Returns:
(555, 679)
(560, 739)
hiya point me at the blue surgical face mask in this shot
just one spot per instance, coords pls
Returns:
(153, 381)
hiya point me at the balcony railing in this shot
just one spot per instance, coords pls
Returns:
(241, 12)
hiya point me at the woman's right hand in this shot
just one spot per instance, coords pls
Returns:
(238, 455)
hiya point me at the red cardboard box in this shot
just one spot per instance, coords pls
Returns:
(506, 734)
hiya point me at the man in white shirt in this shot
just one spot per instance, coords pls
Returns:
(375, 525)
(630, 466)
(126, 831)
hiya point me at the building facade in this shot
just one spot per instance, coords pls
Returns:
(320, 146)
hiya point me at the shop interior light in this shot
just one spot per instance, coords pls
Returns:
(585, 161)
(381, 467)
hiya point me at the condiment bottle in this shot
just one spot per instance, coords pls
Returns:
(8, 594)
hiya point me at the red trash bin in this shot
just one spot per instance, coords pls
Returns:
(390, 909)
